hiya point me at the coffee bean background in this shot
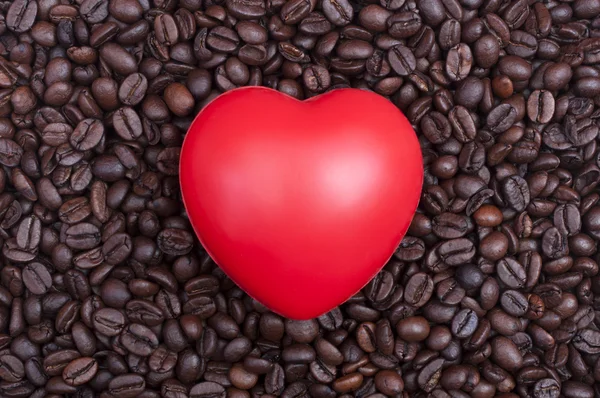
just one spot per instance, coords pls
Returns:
(105, 292)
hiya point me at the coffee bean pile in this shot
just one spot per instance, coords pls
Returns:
(104, 291)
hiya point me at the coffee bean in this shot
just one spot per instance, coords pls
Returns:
(37, 278)
(464, 323)
(459, 62)
(546, 388)
(133, 89)
(10, 153)
(127, 385)
(117, 248)
(514, 302)
(506, 354)
(94, 11)
(540, 106)
(127, 123)
(179, 99)
(11, 369)
(436, 128)
(108, 321)
(413, 329)
(501, 118)
(516, 192)
(418, 290)
(554, 244)
(80, 371)
(511, 272)
(29, 234)
(401, 60)
(165, 29)
(403, 24)
(430, 374)
(339, 12)
(139, 340)
(106, 286)
(294, 11)
(21, 15)
(462, 124)
(55, 362)
(87, 134)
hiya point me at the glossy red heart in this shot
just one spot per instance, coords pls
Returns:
(300, 203)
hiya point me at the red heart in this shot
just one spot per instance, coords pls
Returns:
(300, 203)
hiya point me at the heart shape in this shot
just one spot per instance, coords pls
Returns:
(300, 203)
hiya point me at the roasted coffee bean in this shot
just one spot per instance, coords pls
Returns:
(82, 236)
(516, 192)
(462, 124)
(413, 329)
(511, 272)
(10, 152)
(127, 385)
(418, 290)
(464, 323)
(108, 321)
(37, 278)
(459, 62)
(514, 302)
(80, 371)
(540, 106)
(429, 376)
(11, 368)
(21, 15)
(402, 60)
(117, 248)
(139, 340)
(57, 361)
(104, 288)
(127, 123)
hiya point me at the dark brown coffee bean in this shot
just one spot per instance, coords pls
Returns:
(108, 321)
(496, 275)
(511, 272)
(139, 340)
(165, 29)
(11, 369)
(413, 329)
(207, 389)
(540, 106)
(401, 60)
(127, 385)
(127, 123)
(418, 290)
(462, 124)
(179, 99)
(501, 118)
(94, 11)
(37, 278)
(506, 354)
(294, 11)
(516, 192)
(21, 15)
(87, 135)
(459, 62)
(430, 374)
(514, 302)
(133, 89)
(80, 371)
(403, 24)
(316, 78)
(10, 152)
